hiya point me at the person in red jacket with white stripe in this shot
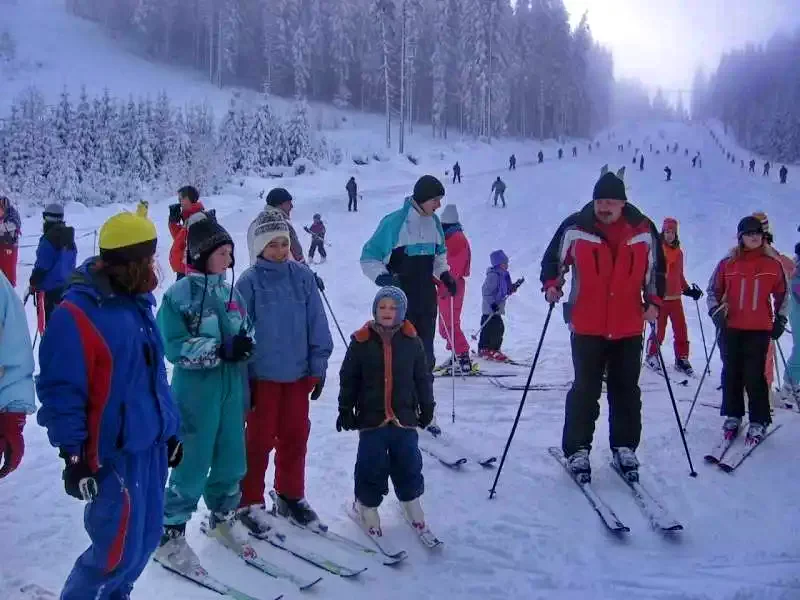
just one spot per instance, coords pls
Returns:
(672, 307)
(749, 303)
(180, 214)
(459, 258)
(618, 283)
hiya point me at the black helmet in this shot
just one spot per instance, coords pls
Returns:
(749, 224)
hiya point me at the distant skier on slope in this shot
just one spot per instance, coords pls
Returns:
(615, 237)
(750, 270)
(499, 189)
(574, 151)
(352, 195)
(766, 169)
(560, 153)
(317, 232)
(783, 173)
(180, 214)
(641, 162)
(56, 256)
(457, 172)
(668, 173)
(512, 163)
(16, 381)
(386, 405)
(672, 307)
(459, 259)
(497, 287)
(752, 165)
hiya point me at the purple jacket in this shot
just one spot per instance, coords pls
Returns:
(496, 289)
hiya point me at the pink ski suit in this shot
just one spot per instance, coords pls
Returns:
(459, 257)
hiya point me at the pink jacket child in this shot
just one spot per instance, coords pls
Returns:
(459, 257)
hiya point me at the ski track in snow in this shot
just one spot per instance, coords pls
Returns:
(538, 538)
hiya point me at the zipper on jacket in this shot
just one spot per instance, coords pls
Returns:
(755, 295)
(742, 287)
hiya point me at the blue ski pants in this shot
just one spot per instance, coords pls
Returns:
(388, 452)
(124, 526)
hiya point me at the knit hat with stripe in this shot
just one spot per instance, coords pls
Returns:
(268, 225)
(127, 237)
(400, 300)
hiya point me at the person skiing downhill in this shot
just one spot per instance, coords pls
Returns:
(180, 217)
(107, 407)
(790, 391)
(16, 378)
(292, 347)
(616, 255)
(512, 163)
(407, 251)
(352, 195)
(459, 258)
(751, 270)
(783, 173)
(56, 256)
(457, 172)
(672, 307)
(499, 189)
(497, 287)
(208, 338)
(385, 393)
(10, 231)
(317, 232)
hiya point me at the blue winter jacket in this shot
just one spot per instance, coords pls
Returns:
(16, 354)
(496, 290)
(55, 258)
(103, 384)
(292, 336)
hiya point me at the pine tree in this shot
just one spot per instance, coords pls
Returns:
(297, 134)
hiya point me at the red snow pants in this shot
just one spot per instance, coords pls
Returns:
(8, 262)
(445, 320)
(673, 310)
(278, 420)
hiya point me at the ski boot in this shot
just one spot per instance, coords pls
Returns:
(485, 353)
(433, 428)
(414, 514)
(790, 395)
(174, 551)
(625, 460)
(653, 363)
(369, 517)
(579, 465)
(446, 367)
(231, 533)
(756, 432)
(256, 518)
(499, 356)
(465, 363)
(299, 511)
(730, 427)
(682, 365)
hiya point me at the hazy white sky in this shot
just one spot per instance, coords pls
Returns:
(662, 41)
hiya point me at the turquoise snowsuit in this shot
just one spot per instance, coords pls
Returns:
(211, 394)
(792, 373)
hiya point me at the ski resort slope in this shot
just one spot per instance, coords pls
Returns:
(539, 538)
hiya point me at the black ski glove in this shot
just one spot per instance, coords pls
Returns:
(174, 213)
(346, 420)
(79, 481)
(425, 417)
(174, 452)
(517, 284)
(387, 279)
(317, 391)
(449, 283)
(236, 348)
(778, 327)
(320, 283)
(694, 292)
(494, 307)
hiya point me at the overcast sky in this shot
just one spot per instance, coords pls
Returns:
(662, 41)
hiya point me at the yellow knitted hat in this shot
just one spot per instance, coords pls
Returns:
(127, 237)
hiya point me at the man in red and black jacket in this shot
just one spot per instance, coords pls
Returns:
(617, 284)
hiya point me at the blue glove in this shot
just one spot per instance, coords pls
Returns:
(387, 279)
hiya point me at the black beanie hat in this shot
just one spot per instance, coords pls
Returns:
(609, 187)
(278, 196)
(427, 188)
(203, 238)
(749, 224)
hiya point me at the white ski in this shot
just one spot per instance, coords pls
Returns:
(425, 535)
(381, 543)
(450, 452)
(733, 459)
(655, 512)
(34, 591)
(724, 444)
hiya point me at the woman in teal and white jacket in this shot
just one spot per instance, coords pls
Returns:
(208, 337)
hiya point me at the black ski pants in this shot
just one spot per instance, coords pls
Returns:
(491, 337)
(352, 203)
(590, 356)
(501, 196)
(744, 361)
(317, 244)
(51, 300)
(457, 175)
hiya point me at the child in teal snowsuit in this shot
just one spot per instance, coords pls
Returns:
(208, 337)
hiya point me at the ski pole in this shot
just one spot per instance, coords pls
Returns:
(775, 366)
(783, 357)
(692, 472)
(475, 335)
(706, 371)
(522, 402)
(702, 333)
(452, 333)
(330, 310)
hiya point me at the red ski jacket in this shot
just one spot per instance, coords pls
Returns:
(177, 254)
(743, 282)
(610, 289)
(676, 282)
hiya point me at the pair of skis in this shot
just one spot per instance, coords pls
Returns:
(385, 546)
(565, 386)
(728, 454)
(450, 453)
(658, 516)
